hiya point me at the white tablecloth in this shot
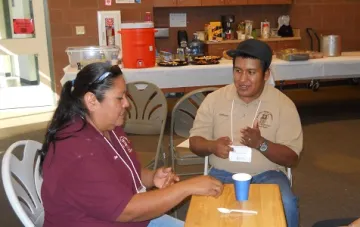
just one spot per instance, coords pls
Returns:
(346, 66)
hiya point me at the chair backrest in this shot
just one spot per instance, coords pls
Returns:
(184, 111)
(148, 109)
(22, 182)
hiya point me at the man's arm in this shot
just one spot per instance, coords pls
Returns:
(288, 144)
(202, 130)
(281, 154)
(275, 152)
(201, 146)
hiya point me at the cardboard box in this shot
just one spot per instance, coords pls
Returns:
(215, 31)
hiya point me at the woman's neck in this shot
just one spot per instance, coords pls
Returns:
(103, 132)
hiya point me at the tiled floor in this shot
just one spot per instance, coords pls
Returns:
(326, 179)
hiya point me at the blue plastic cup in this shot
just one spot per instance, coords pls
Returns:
(242, 185)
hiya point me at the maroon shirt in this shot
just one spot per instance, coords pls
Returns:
(85, 182)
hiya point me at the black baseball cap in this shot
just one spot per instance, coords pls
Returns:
(254, 48)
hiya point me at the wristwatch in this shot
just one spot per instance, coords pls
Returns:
(263, 146)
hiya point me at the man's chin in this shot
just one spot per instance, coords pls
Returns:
(245, 94)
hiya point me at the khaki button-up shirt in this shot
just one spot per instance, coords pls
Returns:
(277, 116)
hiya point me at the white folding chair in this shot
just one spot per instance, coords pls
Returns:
(22, 182)
(147, 116)
(206, 170)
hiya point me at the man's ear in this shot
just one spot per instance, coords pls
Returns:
(267, 74)
(90, 101)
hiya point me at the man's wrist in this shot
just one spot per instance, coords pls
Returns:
(212, 147)
(260, 142)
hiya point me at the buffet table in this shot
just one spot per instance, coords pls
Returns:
(345, 66)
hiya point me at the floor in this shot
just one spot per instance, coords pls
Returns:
(326, 178)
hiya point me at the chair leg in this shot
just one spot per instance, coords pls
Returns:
(175, 214)
(172, 160)
(156, 160)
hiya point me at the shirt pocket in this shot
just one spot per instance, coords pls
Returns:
(222, 123)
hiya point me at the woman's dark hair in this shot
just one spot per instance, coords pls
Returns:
(264, 66)
(96, 78)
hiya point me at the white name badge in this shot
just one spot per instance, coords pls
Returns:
(240, 154)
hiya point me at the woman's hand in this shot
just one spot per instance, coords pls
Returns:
(164, 177)
(205, 185)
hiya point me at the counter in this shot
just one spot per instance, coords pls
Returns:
(236, 41)
(345, 66)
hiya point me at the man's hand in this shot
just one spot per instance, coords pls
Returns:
(222, 147)
(251, 137)
(164, 177)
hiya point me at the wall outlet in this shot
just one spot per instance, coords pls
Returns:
(80, 30)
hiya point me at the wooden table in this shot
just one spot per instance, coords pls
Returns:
(264, 198)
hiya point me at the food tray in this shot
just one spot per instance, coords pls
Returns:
(207, 58)
(292, 54)
(205, 62)
(294, 57)
(172, 63)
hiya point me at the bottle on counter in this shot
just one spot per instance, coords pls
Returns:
(180, 52)
(114, 58)
(248, 29)
(196, 46)
(265, 29)
(148, 17)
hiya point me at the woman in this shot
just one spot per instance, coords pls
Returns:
(91, 175)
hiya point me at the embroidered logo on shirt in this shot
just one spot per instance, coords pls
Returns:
(265, 119)
(125, 143)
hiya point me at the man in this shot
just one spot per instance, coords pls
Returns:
(255, 115)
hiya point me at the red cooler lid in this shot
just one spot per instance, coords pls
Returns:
(137, 25)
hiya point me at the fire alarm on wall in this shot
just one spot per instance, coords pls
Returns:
(108, 2)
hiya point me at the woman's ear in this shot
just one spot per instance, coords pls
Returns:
(91, 101)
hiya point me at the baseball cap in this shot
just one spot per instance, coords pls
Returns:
(254, 48)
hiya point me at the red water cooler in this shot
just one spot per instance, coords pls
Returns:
(138, 45)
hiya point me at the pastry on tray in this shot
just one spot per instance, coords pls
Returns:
(226, 56)
(205, 62)
(173, 63)
(207, 58)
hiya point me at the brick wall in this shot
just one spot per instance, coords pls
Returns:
(325, 16)
(66, 14)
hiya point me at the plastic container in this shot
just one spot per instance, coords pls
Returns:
(138, 45)
(84, 55)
